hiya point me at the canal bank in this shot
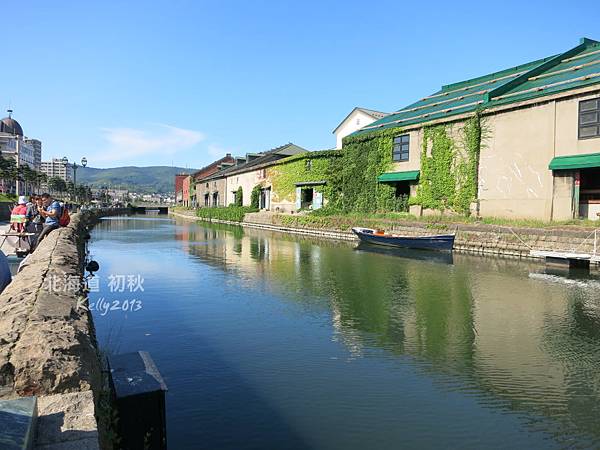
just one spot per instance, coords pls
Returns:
(48, 346)
(484, 239)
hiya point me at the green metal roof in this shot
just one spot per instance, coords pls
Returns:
(575, 162)
(389, 177)
(575, 68)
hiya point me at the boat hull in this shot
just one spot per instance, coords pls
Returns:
(442, 242)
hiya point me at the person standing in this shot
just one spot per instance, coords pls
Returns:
(18, 215)
(35, 221)
(51, 213)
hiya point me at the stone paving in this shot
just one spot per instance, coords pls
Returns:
(67, 421)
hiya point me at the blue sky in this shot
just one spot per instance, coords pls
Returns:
(182, 82)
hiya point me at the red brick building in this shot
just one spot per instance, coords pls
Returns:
(179, 187)
(185, 189)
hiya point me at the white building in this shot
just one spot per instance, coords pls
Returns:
(118, 194)
(18, 149)
(14, 145)
(358, 118)
(56, 168)
(37, 152)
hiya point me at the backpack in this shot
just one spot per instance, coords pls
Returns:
(65, 218)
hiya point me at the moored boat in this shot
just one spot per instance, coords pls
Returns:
(443, 242)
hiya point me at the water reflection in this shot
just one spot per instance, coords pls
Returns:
(515, 342)
(421, 255)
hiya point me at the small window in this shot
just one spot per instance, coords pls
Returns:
(589, 119)
(308, 164)
(400, 149)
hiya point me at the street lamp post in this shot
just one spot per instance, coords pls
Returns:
(74, 165)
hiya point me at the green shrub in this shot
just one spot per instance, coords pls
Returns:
(239, 197)
(232, 213)
(255, 197)
(8, 198)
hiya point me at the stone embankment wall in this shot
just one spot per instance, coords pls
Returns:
(47, 340)
(476, 238)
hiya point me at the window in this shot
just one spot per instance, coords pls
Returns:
(589, 118)
(400, 150)
(308, 165)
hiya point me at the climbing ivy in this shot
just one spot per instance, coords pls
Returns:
(354, 175)
(315, 166)
(437, 183)
(473, 134)
(448, 179)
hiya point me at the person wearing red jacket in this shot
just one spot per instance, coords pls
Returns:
(18, 215)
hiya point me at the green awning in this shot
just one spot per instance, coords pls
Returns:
(575, 162)
(390, 177)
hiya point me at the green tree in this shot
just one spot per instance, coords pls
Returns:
(28, 176)
(83, 193)
(41, 178)
(8, 170)
(56, 185)
(70, 189)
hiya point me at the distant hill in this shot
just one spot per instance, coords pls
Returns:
(138, 179)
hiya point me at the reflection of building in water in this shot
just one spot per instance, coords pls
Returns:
(512, 321)
(513, 341)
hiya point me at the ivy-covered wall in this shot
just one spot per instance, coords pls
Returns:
(449, 166)
(315, 166)
(354, 176)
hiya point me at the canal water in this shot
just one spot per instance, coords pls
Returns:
(273, 341)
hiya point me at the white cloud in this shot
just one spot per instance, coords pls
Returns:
(126, 144)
